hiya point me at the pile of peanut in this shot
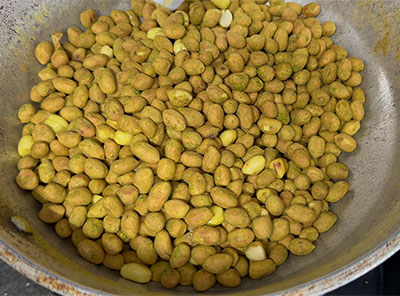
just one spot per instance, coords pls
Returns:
(195, 146)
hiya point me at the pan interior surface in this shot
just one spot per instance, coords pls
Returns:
(367, 216)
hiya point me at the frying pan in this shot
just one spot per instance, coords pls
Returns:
(368, 229)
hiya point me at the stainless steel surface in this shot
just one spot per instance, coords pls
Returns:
(368, 229)
(12, 283)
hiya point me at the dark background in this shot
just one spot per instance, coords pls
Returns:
(383, 280)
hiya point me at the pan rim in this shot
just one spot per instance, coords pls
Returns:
(319, 286)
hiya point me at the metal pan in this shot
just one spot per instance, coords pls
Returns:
(368, 229)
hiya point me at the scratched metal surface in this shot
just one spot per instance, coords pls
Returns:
(368, 228)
